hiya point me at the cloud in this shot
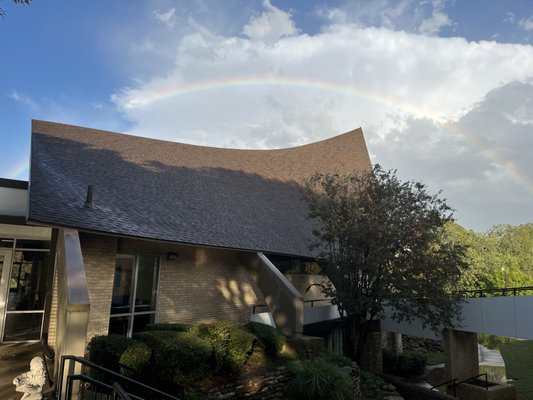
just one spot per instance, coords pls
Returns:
(446, 111)
(438, 20)
(509, 17)
(425, 17)
(481, 161)
(526, 24)
(167, 18)
(23, 99)
(271, 25)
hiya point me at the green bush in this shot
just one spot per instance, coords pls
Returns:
(271, 340)
(167, 327)
(371, 385)
(336, 359)
(232, 344)
(135, 361)
(178, 357)
(407, 364)
(318, 380)
(106, 351)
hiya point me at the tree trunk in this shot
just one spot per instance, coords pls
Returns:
(356, 332)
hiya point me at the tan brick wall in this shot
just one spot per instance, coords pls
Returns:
(52, 326)
(202, 285)
(461, 350)
(99, 258)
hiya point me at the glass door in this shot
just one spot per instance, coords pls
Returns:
(5, 266)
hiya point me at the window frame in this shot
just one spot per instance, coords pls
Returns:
(133, 285)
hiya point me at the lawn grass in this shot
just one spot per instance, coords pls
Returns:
(436, 358)
(518, 357)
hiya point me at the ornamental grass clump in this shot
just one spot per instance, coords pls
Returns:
(317, 379)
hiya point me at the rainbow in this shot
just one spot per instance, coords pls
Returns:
(19, 170)
(492, 154)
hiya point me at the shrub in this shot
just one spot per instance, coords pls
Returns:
(106, 351)
(407, 364)
(336, 359)
(371, 385)
(231, 343)
(177, 357)
(135, 361)
(318, 380)
(271, 340)
(167, 327)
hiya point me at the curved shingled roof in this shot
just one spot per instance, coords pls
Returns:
(147, 188)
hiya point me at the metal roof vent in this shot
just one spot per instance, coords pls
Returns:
(89, 199)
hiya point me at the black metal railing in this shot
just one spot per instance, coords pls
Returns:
(447, 384)
(119, 393)
(514, 291)
(307, 303)
(92, 381)
(311, 303)
(256, 306)
(452, 383)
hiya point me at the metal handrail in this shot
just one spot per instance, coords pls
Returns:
(474, 377)
(119, 393)
(514, 291)
(316, 300)
(445, 383)
(455, 383)
(116, 377)
(258, 305)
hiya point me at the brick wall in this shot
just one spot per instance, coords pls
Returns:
(461, 354)
(99, 258)
(202, 285)
(52, 324)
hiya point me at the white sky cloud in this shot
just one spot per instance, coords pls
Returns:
(271, 25)
(438, 20)
(452, 113)
(23, 99)
(526, 24)
(167, 18)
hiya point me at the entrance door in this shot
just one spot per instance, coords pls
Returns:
(24, 288)
(5, 267)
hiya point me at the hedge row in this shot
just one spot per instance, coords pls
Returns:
(167, 354)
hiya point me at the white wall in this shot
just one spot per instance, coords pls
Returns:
(13, 202)
(509, 316)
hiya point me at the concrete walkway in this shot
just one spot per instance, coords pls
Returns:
(14, 359)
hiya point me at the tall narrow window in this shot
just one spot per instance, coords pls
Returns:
(133, 305)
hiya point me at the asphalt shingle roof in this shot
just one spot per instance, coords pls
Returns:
(147, 188)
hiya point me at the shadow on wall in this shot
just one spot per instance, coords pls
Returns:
(204, 286)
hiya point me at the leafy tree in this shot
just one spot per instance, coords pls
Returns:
(3, 13)
(501, 257)
(382, 242)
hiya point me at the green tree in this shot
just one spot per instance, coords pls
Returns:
(382, 242)
(501, 257)
(2, 11)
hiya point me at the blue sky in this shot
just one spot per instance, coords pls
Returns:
(443, 89)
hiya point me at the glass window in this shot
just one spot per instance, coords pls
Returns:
(145, 295)
(27, 285)
(23, 326)
(32, 244)
(6, 243)
(136, 277)
(122, 285)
